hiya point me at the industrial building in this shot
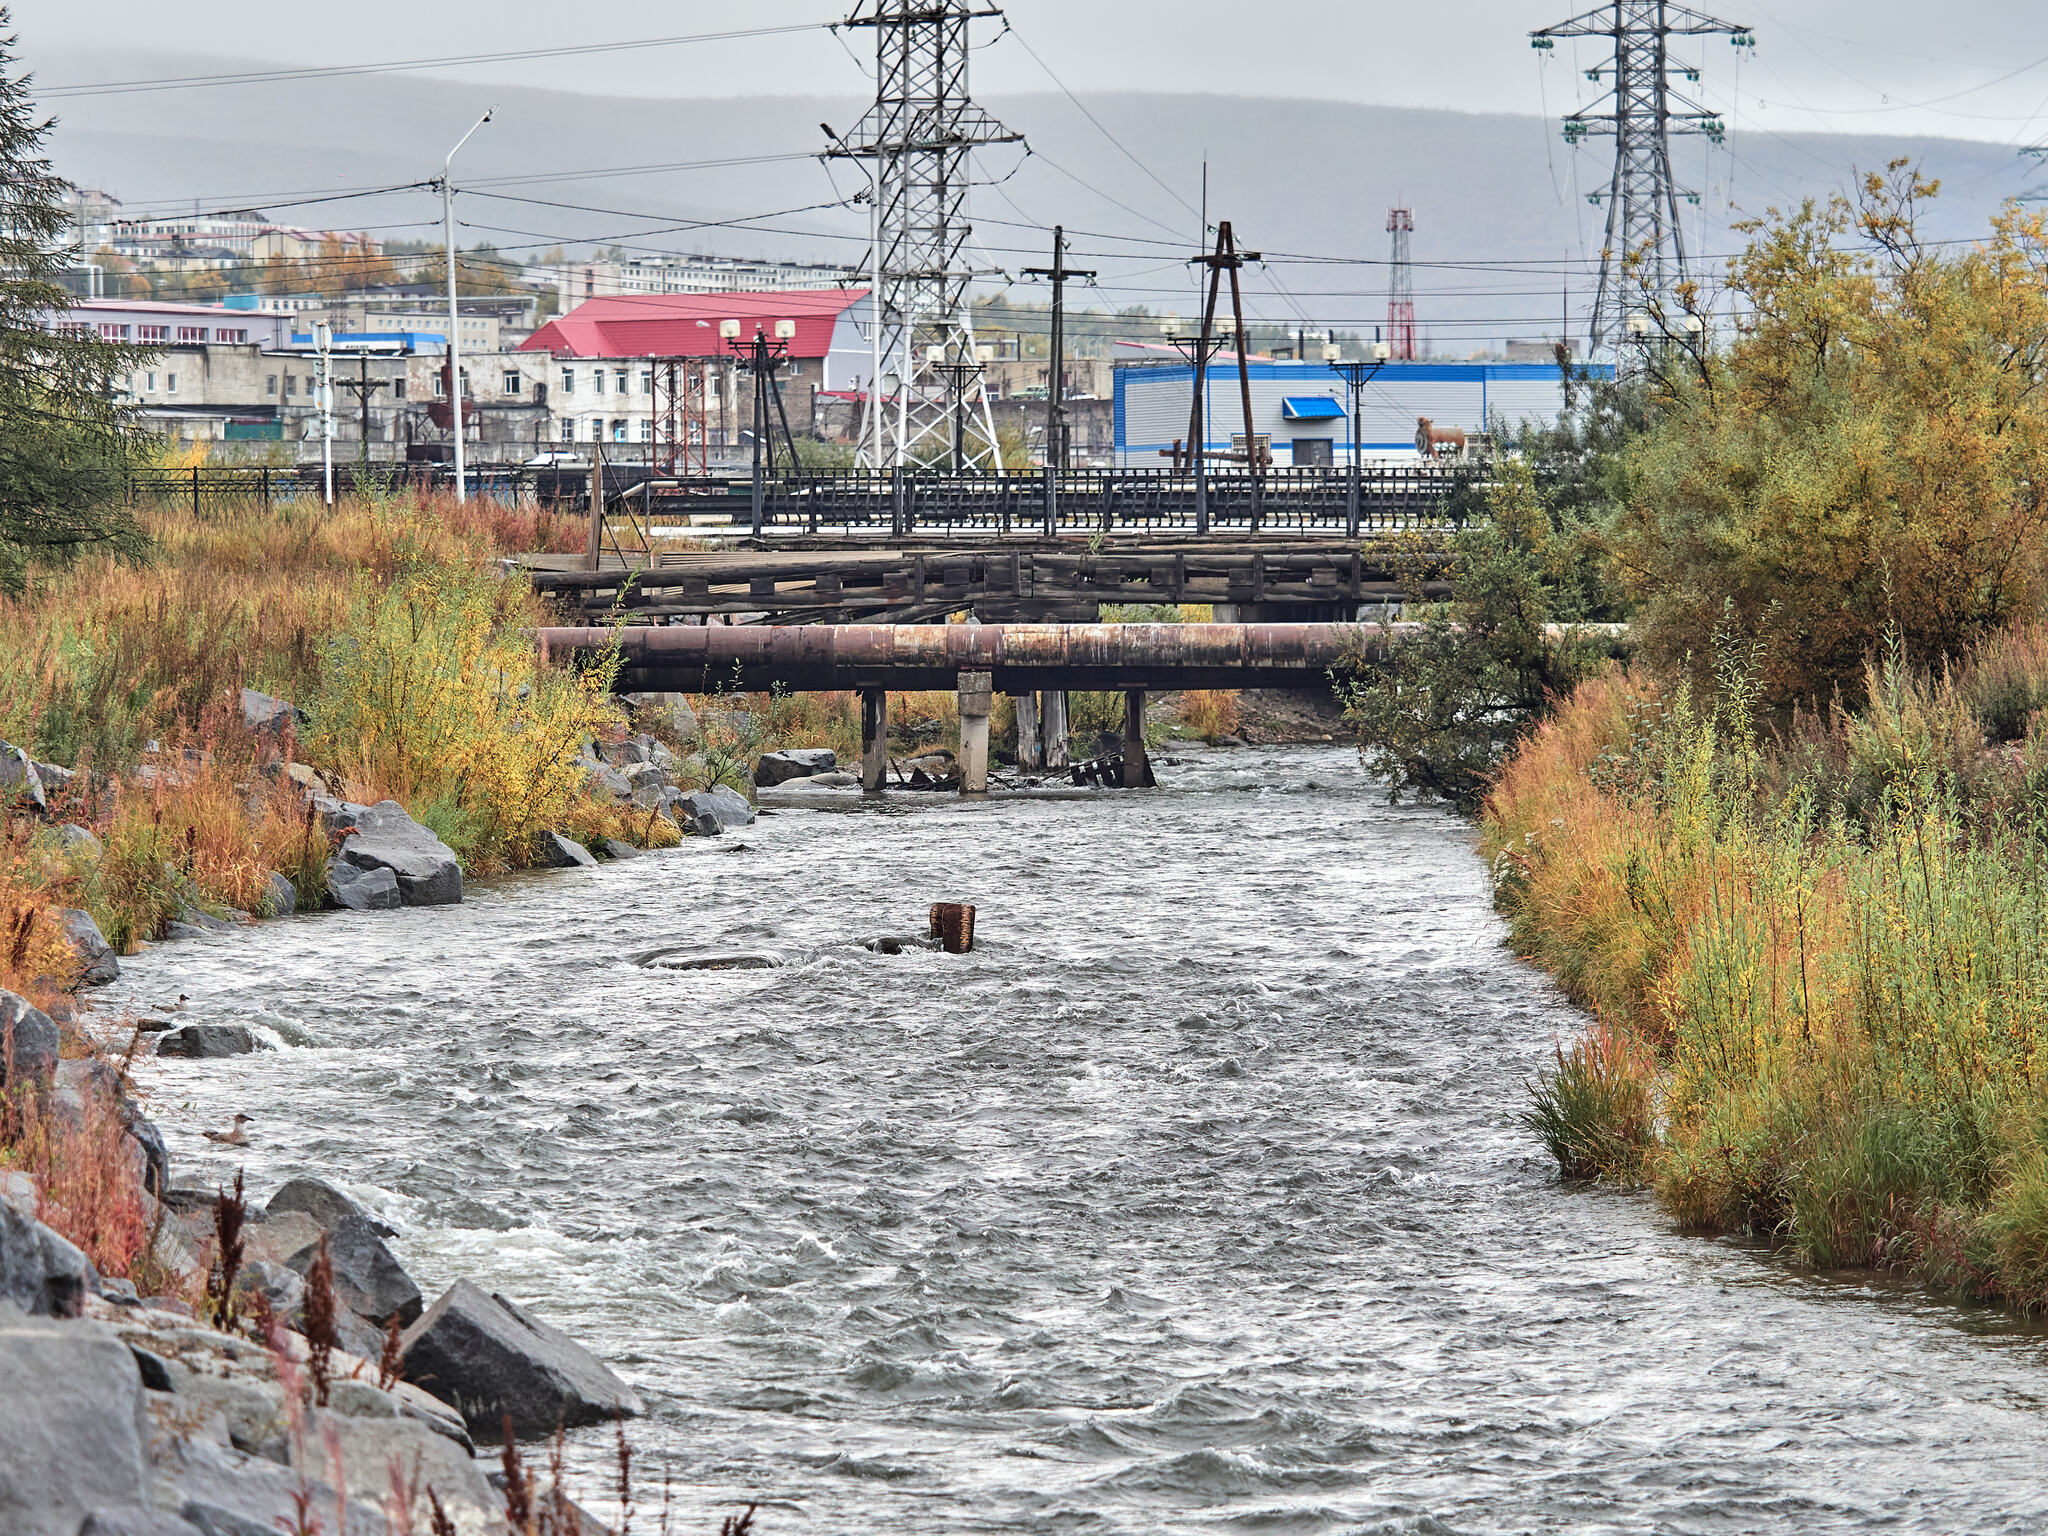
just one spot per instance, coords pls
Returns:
(1302, 410)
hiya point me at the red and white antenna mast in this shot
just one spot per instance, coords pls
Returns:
(1400, 289)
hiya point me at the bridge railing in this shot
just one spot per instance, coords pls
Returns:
(1390, 498)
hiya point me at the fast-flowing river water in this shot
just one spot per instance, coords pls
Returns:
(1194, 1199)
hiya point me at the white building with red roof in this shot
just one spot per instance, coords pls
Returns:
(600, 384)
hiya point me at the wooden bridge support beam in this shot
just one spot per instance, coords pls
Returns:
(1052, 727)
(1030, 755)
(1137, 772)
(976, 697)
(874, 739)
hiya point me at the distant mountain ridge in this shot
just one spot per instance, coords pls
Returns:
(1311, 178)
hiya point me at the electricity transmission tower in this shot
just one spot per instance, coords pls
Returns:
(1645, 237)
(920, 135)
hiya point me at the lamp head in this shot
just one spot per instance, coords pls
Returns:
(1381, 351)
(1331, 352)
(785, 330)
(729, 330)
(1638, 323)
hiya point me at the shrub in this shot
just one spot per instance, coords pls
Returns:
(1595, 1108)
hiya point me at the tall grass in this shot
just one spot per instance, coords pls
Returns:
(1829, 943)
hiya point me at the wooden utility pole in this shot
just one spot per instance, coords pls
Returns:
(1055, 378)
(1225, 258)
(362, 387)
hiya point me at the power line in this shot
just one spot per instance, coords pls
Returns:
(395, 66)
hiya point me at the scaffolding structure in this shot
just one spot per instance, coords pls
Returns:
(681, 425)
(1645, 239)
(1400, 288)
(918, 141)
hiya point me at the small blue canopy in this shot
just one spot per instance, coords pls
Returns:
(1311, 408)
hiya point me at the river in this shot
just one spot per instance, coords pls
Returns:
(1194, 1199)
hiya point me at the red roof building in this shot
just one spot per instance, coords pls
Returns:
(831, 329)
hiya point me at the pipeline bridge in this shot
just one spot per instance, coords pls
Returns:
(1036, 664)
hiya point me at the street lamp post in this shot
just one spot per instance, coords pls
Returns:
(454, 340)
(323, 346)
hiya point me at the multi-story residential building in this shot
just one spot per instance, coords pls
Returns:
(579, 281)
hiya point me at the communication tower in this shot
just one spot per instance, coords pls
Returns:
(919, 138)
(1400, 288)
(1642, 111)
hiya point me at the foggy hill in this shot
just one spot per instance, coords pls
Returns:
(1304, 177)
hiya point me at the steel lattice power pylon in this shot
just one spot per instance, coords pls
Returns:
(1642, 112)
(919, 139)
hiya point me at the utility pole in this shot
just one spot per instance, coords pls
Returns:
(1225, 258)
(762, 358)
(362, 386)
(1357, 373)
(1198, 350)
(1644, 235)
(1055, 379)
(454, 327)
(323, 344)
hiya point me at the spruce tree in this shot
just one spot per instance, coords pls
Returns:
(66, 438)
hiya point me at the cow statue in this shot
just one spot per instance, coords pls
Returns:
(1434, 442)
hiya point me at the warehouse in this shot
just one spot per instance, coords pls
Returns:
(1303, 410)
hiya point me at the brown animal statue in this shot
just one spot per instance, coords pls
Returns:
(1434, 442)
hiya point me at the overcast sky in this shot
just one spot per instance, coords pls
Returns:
(1971, 68)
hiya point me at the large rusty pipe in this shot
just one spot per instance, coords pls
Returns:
(1022, 657)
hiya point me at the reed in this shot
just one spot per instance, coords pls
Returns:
(1817, 972)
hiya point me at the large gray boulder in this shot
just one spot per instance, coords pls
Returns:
(320, 1200)
(96, 960)
(556, 850)
(206, 1042)
(78, 842)
(721, 805)
(493, 1359)
(354, 889)
(71, 1425)
(268, 716)
(793, 763)
(368, 1280)
(29, 1042)
(428, 873)
(40, 1272)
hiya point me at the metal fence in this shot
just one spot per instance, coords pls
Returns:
(1388, 498)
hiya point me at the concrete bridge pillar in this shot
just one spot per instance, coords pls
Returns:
(1137, 771)
(1029, 753)
(1052, 727)
(874, 739)
(976, 698)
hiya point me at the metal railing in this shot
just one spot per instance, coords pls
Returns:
(1391, 498)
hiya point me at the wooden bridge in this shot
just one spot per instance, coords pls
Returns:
(1037, 664)
(998, 580)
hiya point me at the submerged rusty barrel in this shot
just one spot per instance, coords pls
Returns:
(1022, 657)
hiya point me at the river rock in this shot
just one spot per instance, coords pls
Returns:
(78, 842)
(18, 776)
(268, 716)
(355, 889)
(492, 1359)
(610, 783)
(614, 849)
(320, 1200)
(280, 896)
(557, 850)
(206, 1042)
(137, 1520)
(367, 1279)
(721, 803)
(834, 780)
(97, 965)
(793, 763)
(41, 1272)
(71, 1425)
(429, 874)
(29, 1042)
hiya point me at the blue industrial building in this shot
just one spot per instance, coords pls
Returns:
(1303, 409)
